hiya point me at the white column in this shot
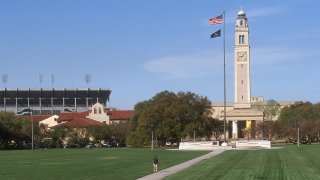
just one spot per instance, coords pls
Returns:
(235, 129)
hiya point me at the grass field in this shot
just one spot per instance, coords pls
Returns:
(99, 163)
(289, 162)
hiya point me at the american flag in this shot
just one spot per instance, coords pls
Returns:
(216, 20)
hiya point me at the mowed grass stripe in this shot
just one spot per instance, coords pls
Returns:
(100, 163)
(289, 162)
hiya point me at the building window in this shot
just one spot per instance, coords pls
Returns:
(242, 97)
(241, 23)
(241, 81)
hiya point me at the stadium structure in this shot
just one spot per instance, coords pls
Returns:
(51, 101)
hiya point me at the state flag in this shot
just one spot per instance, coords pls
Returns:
(216, 34)
(216, 20)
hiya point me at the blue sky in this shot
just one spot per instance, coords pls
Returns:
(139, 48)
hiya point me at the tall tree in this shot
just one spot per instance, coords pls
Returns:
(171, 117)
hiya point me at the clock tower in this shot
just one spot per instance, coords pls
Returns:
(242, 95)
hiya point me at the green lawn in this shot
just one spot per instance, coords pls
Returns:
(289, 162)
(99, 163)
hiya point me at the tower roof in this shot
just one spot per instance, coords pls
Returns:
(241, 12)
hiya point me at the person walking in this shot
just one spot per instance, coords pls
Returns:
(155, 163)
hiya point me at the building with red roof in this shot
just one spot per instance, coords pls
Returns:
(78, 122)
(117, 116)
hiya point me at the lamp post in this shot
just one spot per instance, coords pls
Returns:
(32, 132)
(194, 135)
(298, 141)
(194, 129)
(151, 136)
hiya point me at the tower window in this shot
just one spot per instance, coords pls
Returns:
(242, 97)
(241, 81)
(241, 23)
(241, 39)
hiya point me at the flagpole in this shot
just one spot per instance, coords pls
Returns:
(224, 76)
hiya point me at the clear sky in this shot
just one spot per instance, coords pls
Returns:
(138, 48)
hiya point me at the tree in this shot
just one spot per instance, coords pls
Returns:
(171, 116)
(13, 130)
(302, 115)
(270, 111)
(215, 128)
(99, 132)
(119, 131)
(59, 133)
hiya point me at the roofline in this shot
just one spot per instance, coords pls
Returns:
(50, 89)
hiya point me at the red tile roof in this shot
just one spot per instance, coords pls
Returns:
(81, 122)
(38, 118)
(121, 114)
(65, 116)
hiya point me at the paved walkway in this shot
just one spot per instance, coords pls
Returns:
(174, 169)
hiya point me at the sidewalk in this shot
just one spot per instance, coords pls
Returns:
(174, 169)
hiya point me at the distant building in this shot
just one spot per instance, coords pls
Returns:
(51, 101)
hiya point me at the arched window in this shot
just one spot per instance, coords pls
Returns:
(241, 39)
(241, 23)
(94, 111)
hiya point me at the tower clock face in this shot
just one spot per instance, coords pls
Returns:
(242, 56)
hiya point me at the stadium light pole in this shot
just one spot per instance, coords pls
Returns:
(4, 79)
(87, 79)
